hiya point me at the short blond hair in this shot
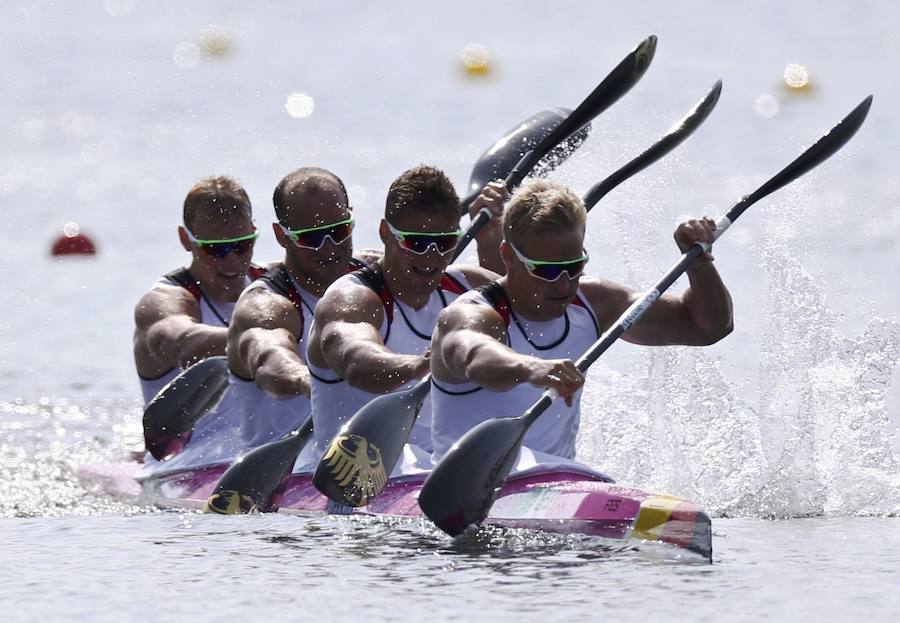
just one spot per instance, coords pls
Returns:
(542, 206)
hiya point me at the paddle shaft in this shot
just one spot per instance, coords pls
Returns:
(619, 81)
(812, 157)
(679, 132)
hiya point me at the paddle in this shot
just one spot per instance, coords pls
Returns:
(384, 424)
(171, 415)
(250, 481)
(498, 160)
(619, 81)
(459, 492)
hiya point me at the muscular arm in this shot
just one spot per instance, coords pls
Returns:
(262, 344)
(701, 315)
(468, 346)
(169, 333)
(346, 338)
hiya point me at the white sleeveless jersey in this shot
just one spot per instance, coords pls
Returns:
(403, 330)
(246, 416)
(213, 314)
(458, 407)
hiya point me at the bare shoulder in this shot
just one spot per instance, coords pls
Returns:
(350, 303)
(607, 298)
(476, 275)
(260, 307)
(162, 302)
(467, 315)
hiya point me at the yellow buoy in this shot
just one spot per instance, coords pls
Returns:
(475, 59)
(215, 42)
(796, 78)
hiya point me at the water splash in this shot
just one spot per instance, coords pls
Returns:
(817, 441)
(43, 444)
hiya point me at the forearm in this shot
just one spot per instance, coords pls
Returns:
(492, 366)
(281, 373)
(708, 303)
(186, 343)
(373, 368)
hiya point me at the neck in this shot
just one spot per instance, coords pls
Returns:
(519, 304)
(304, 280)
(218, 290)
(401, 290)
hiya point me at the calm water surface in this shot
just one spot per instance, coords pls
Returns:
(785, 431)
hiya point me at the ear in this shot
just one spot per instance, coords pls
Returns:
(507, 255)
(185, 241)
(384, 232)
(279, 236)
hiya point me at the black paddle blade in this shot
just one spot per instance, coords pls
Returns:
(823, 149)
(251, 480)
(170, 416)
(502, 156)
(619, 81)
(459, 492)
(672, 139)
(356, 466)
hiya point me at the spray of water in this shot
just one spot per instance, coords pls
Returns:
(816, 440)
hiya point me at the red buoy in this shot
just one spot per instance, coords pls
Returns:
(72, 242)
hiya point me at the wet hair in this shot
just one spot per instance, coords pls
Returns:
(217, 195)
(304, 179)
(422, 189)
(541, 206)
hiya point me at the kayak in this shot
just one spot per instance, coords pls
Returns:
(559, 501)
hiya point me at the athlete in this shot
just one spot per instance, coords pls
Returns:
(268, 389)
(185, 316)
(498, 347)
(372, 329)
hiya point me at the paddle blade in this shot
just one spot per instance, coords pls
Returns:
(171, 415)
(459, 492)
(823, 149)
(672, 139)
(616, 84)
(356, 466)
(502, 156)
(251, 480)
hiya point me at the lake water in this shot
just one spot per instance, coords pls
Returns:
(785, 431)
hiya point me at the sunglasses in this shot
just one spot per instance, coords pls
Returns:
(551, 271)
(222, 247)
(314, 237)
(419, 242)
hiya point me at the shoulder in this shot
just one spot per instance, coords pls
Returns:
(349, 300)
(607, 298)
(261, 307)
(164, 300)
(470, 313)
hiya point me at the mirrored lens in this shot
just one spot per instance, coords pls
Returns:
(316, 238)
(552, 272)
(221, 249)
(444, 243)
